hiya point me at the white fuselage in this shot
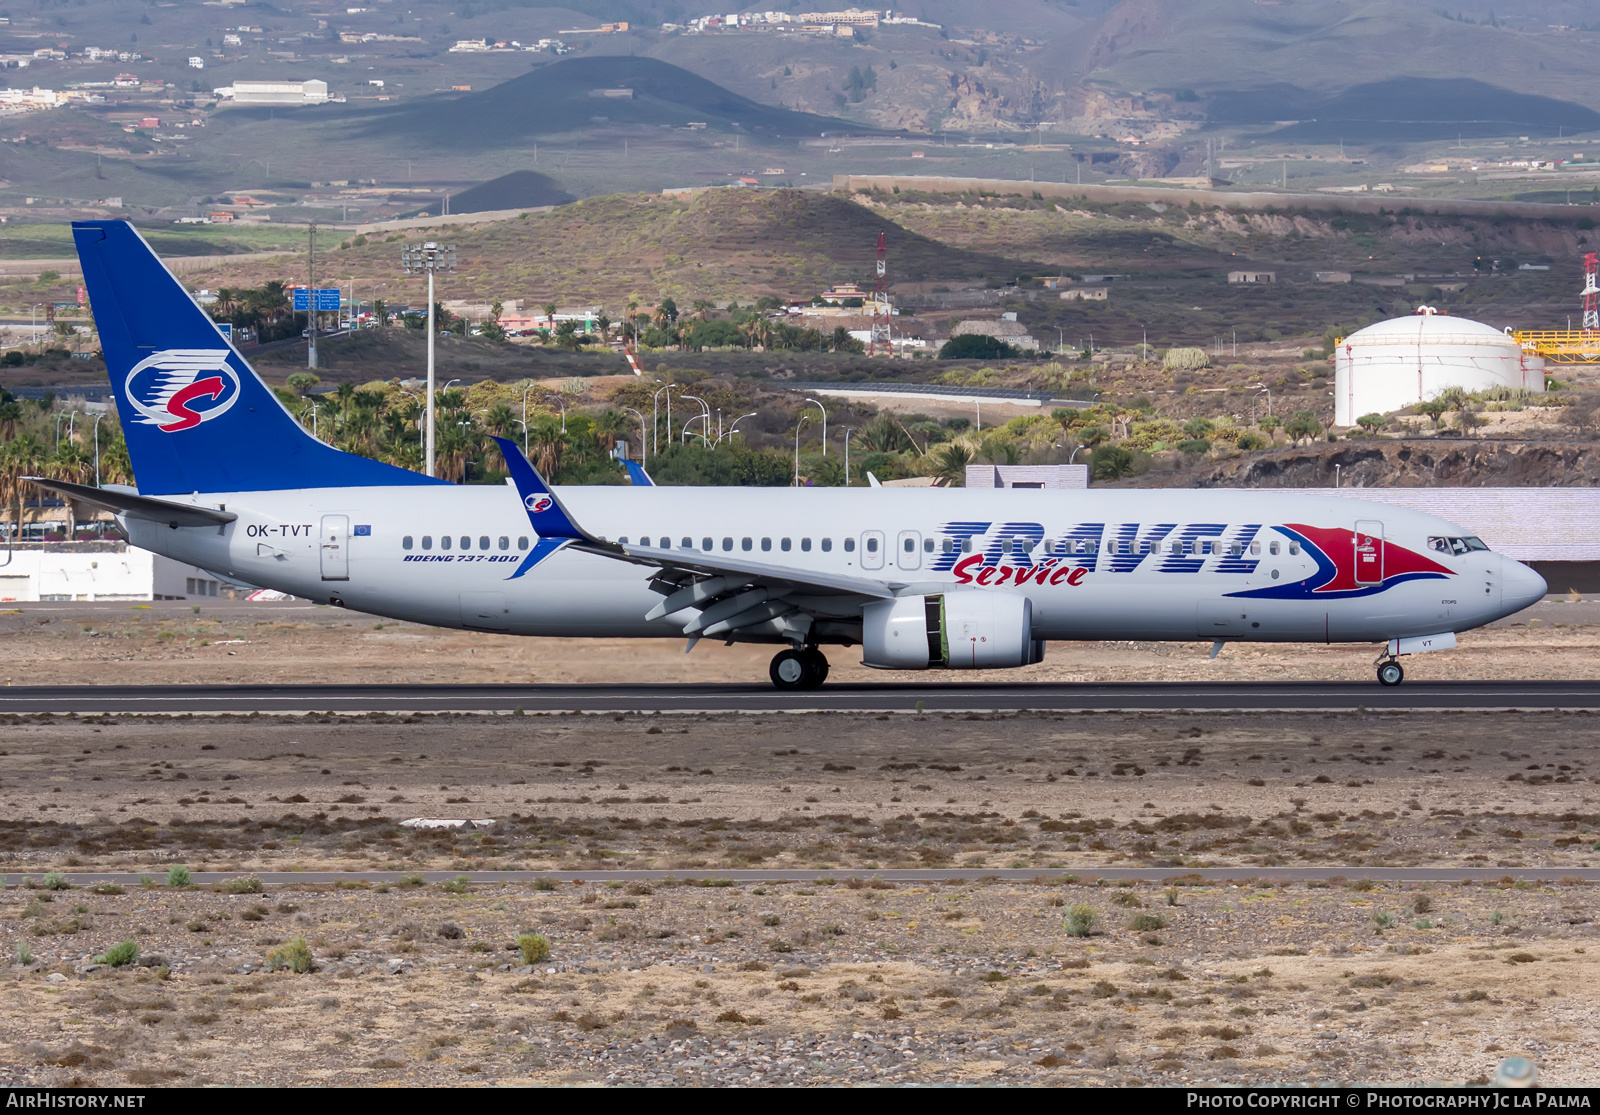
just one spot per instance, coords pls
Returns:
(1181, 557)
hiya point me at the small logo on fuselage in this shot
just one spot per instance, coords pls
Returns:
(177, 389)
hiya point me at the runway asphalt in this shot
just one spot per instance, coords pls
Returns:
(936, 697)
(1086, 875)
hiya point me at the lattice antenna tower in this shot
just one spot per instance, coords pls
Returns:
(880, 303)
(1591, 293)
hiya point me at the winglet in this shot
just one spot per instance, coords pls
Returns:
(637, 475)
(545, 512)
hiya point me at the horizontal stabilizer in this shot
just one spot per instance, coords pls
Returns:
(140, 507)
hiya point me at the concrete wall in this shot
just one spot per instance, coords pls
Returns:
(48, 573)
(1227, 199)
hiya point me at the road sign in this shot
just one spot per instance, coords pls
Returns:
(327, 299)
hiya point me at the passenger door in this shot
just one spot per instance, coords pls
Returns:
(335, 547)
(1368, 542)
(908, 550)
(872, 549)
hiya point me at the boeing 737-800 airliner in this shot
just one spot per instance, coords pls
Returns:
(918, 579)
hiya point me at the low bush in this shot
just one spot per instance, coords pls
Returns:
(1081, 921)
(120, 955)
(178, 876)
(534, 947)
(295, 956)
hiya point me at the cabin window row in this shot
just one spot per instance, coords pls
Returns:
(1059, 548)
(465, 541)
(662, 542)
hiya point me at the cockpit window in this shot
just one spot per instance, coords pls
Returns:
(1456, 546)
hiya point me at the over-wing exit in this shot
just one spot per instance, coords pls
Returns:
(917, 578)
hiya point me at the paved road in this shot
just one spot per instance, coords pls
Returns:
(1080, 874)
(935, 697)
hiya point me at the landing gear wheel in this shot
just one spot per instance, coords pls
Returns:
(790, 670)
(1390, 673)
(816, 665)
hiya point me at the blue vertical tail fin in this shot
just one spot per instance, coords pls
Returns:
(196, 416)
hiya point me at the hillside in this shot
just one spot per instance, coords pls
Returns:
(715, 244)
(521, 189)
(1218, 46)
(563, 97)
(1408, 109)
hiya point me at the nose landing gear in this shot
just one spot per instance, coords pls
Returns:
(1389, 672)
(803, 668)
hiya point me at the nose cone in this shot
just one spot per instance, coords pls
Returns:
(1520, 586)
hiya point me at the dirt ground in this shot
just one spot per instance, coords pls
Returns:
(860, 980)
(795, 984)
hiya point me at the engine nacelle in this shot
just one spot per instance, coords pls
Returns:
(967, 630)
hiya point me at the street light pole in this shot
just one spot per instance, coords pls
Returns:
(734, 428)
(429, 257)
(97, 449)
(848, 430)
(824, 411)
(804, 418)
(705, 408)
(655, 419)
(642, 437)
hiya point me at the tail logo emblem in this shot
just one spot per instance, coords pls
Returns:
(180, 388)
(537, 504)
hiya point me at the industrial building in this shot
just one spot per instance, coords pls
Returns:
(1027, 476)
(100, 571)
(313, 92)
(1408, 360)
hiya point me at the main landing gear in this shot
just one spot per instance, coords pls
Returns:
(1389, 672)
(803, 668)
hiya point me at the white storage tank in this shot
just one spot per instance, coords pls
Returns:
(1408, 360)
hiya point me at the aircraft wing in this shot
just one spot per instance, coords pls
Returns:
(140, 507)
(731, 597)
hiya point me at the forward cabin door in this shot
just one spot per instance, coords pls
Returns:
(335, 547)
(1369, 552)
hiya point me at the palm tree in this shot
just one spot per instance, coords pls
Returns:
(71, 464)
(10, 414)
(826, 472)
(499, 422)
(226, 305)
(454, 451)
(882, 435)
(950, 463)
(550, 315)
(611, 427)
(546, 444)
(115, 465)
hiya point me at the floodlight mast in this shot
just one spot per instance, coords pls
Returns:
(311, 294)
(430, 256)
